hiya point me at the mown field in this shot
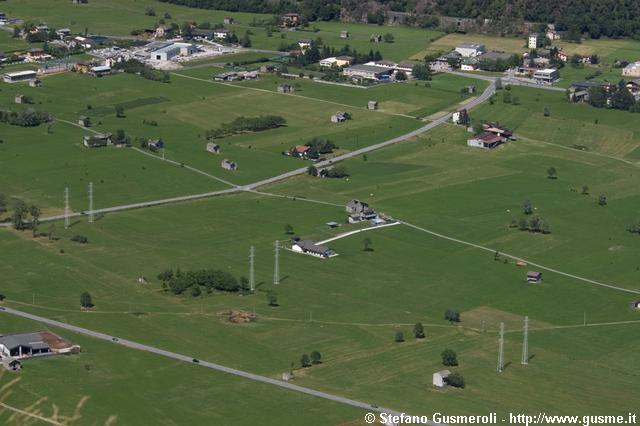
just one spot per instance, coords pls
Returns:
(109, 384)
(349, 307)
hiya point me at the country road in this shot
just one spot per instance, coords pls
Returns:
(190, 359)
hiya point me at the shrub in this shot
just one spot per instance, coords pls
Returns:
(80, 239)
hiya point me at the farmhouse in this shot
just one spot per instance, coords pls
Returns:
(290, 20)
(63, 32)
(286, 88)
(485, 140)
(579, 90)
(546, 76)
(301, 151)
(534, 277)
(470, 50)
(155, 144)
(328, 62)
(497, 130)
(304, 44)
(309, 247)
(367, 72)
(27, 345)
(339, 117)
(14, 77)
(359, 211)
(460, 117)
(632, 70)
(372, 105)
(229, 165)
(213, 148)
(98, 140)
(221, 34)
(164, 31)
(469, 64)
(440, 378)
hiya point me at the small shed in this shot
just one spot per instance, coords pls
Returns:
(20, 99)
(440, 378)
(635, 304)
(213, 148)
(229, 165)
(11, 364)
(372, 105)
(84, 121)
(375, 38)
(35, 83)
(155, 143)
(534, 277)
(332, 224)
(344, 34)
(228, 20)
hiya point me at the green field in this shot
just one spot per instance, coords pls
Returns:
(456, 204)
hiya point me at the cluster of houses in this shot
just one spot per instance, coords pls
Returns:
(16, 347)
(492, 135)
(580, 90)
(378, 70)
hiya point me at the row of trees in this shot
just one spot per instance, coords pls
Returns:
(313, 359)
(25, 118)
(132, 66)
(247, 124)
(212, 279)
(617, 97)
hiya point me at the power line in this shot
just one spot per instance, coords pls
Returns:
(90, 202)
(252, 277)
(276, 268)
(67, 221)
(501, 349)
(525, 344)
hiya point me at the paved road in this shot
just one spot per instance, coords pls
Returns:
(509, 79)
(187, 358)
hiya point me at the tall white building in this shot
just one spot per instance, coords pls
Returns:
(533, 41)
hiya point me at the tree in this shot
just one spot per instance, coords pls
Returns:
(585, 190)
(452, 315)
(2, 297)
(272, 298)
(388, 38)
(288, 229)
(246, 40)
(149, 11)
(35, 213)
(527, 207)
(456, 380)
(506, 97)
(80, 239)
(522, 224)
(85, 300)
(602, 200)
(546, 112)
(418, 331)
(498, 83)
(120, 111)
(421, 72)
(401, 76)
(316, 357)
(366, 244)
(449, 358)
(305, 361)
(399, 337)
(552, 173)
(195, 291)
(19, 215)
(312, 170)
(3, 203)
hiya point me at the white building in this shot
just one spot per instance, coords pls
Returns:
(533, 41)
(632, 70)
(172, 50)
(14, 77)
(470, 50)
(440, 378)
(328, 62)
(369, 72)
(546, 76)
(304, 44)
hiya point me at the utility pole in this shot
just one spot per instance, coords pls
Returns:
(501, 349)
(276, 268)
(90, 202)
(67, 221)
(252, 277)
(525, 343)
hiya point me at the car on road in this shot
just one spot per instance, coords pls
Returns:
(115, 339)
(196, 360)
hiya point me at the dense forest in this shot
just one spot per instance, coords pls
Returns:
(595, 18)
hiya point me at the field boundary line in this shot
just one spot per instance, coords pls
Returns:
(517, 258)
